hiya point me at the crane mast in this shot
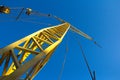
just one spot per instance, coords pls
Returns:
(41, 44)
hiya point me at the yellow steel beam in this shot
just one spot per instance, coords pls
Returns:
(6, 65)
(39, 46)
(43, 40)
(26, 50)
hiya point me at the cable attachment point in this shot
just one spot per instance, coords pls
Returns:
(28, 11)
(4, 9)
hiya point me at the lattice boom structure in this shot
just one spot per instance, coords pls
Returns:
(41, 44)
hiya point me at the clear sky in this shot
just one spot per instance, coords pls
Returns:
(98, 18)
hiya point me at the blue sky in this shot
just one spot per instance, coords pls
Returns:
(98, 18)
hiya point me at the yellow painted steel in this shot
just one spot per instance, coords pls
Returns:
(7, 11)
(43, 41)
(4, 9)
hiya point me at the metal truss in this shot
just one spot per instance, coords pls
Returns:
(27, 56)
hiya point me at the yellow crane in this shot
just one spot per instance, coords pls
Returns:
(42, 44)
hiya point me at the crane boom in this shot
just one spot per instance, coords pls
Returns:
(41, 43)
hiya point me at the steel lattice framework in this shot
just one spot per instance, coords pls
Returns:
(41, 43)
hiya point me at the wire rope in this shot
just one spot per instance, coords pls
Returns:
(92, 74)
(64, 61)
